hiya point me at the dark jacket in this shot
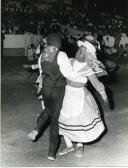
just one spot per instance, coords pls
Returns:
(52, 76)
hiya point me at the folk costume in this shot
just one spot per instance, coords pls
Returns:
(80, 119)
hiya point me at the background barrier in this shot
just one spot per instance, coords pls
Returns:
(17, 45)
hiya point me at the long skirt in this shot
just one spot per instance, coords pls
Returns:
(80, 118)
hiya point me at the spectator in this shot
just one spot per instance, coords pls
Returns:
(124, 40)
(2, 42)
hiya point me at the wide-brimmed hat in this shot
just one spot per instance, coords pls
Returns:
(53, 39)
(88, 45)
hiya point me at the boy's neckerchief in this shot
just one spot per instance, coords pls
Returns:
(49, 54)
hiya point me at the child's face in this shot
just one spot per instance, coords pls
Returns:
(81, 54)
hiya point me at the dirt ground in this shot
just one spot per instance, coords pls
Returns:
(19, 109)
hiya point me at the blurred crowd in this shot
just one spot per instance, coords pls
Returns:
(110, 30)
(19, 19)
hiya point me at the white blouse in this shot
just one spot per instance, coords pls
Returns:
(68, 71)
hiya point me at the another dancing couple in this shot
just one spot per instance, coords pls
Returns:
(71, 108)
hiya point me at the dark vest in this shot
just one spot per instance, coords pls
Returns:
(51, 74)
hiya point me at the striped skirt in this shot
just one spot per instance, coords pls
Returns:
(80, 118)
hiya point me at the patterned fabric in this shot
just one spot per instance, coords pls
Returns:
(97, 66)
(49, 54)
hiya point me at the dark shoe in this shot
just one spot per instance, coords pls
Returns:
(66, 150)
(79, 151)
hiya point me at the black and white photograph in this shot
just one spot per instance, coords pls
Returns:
(64, 83)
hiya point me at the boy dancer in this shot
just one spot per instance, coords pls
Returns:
(55, 68)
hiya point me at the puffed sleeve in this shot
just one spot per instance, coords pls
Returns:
(67, 70)
(86, 70)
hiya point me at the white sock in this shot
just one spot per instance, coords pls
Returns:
(68, 142)
(79, 144)
(42, 104)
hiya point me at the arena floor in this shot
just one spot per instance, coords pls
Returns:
(20, 109)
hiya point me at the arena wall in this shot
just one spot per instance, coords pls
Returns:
(17, 45)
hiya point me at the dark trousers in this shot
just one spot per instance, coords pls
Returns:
(53, 99)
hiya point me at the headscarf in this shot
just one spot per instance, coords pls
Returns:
(88, 46)
(92, 60)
